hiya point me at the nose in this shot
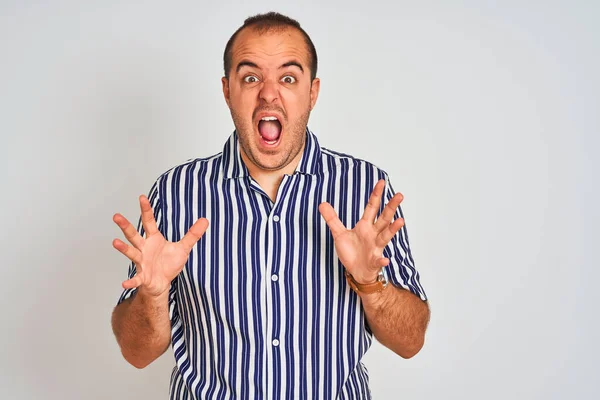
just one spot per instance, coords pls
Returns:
(269, 91)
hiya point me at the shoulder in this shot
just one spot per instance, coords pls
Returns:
(335, 162)
(193, 168)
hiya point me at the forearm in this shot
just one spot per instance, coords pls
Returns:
(398, 319)
(142, 328)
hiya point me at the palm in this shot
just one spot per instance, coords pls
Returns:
(161, 261)
(164, 256)
(157, 260)
(360, 249)
(358, 246)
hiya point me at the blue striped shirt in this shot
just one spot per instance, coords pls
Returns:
(262, 309)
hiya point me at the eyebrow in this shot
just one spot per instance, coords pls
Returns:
(293, 64)
(245, 63)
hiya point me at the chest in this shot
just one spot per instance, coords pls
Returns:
(254, 245)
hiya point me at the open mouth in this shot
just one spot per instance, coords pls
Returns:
(269, 128)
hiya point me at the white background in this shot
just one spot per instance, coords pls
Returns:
(485, 114)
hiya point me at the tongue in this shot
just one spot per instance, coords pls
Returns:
(269, 130)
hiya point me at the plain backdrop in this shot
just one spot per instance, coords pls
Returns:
(484, 113)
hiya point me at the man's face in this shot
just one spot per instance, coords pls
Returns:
(270, 95)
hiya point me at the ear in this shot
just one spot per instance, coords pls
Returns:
(314, 92)
(225, 83)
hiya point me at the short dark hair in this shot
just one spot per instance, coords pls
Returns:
(264, 23)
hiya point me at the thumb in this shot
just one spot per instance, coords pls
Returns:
(194, 233)
(331, 219)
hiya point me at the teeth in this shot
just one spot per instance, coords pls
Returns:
(269, 119)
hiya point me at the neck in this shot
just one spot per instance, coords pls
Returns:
(269, 180)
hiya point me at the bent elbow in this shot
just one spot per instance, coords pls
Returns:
(140, 366)
(407, 354)
(411, 351)
(136, 361)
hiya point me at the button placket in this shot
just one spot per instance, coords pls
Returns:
(275, 251)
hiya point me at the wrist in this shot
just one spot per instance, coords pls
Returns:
(152, 295)
(378, 284)
(366, 278)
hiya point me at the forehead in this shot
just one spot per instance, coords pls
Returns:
(273, 46)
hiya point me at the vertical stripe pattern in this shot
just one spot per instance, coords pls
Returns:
(262, 309)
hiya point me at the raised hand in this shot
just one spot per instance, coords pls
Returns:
(157, 261)
(361, 249)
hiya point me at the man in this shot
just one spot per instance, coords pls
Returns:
(278, 299)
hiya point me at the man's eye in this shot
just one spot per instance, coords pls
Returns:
(288, 79)
(250, 79)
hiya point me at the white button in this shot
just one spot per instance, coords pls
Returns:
(274, 278)
(276, 218)
(275, 342)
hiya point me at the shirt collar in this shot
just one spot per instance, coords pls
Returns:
(233, 166)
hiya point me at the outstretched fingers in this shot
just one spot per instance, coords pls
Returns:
(133, 282)
(148, 220)
(194, 234)
(388, 212)
(384, 237)
(129, 251)
(331, 219)
(383, 262)
(372, 207)
(131, 234)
